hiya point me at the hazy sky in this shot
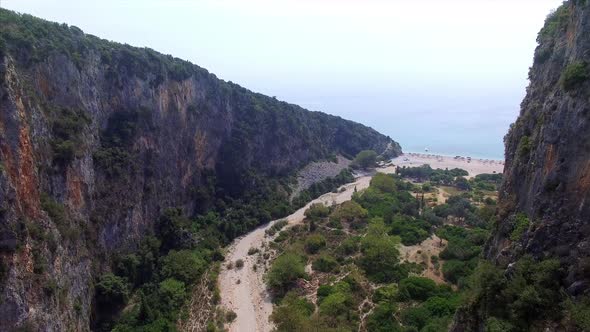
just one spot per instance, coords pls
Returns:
(443, 74)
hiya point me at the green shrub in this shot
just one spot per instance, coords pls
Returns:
(387, 294)
(112, 290)
(454, 270)
(292, 314)
(555, 22)
(532, 290)
(416, 288)
(67, 129)
(239, 263)
(494, 324)
(283, 273)
(580, 313)
(55, 210)
(336, 304)
(113, 157)
(230, 316)
(574, 74)
(382, 319)
(113, 161)
(415, 316)
(172, 294)
(325, 263)
(441, 306)
(314, 243)
(128, 266)
(383, 182)
(524, 147)
(380, 254)
(175, 230)
(323, 291)
(276, 227)
(349, 246)
(365, 159)
(437, 324)
(317, 211)
(411, 231)
(184, 265)
(350, 212)
(521, 225)
(281, 237)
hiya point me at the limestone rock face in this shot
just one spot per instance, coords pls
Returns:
(97, 138)
(547, 170)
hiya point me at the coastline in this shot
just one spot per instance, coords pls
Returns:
(473, 166)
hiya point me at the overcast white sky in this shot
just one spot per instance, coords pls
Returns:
(393, 64)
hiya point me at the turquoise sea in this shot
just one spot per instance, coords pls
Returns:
(458, 119)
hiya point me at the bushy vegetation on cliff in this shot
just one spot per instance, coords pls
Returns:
(155, 281)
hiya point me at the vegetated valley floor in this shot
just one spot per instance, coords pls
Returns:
(336, 288)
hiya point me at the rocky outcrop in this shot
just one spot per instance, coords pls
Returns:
(97, 138)
(544, 205)
(547, 172)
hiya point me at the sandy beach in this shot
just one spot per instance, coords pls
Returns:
(473, 166)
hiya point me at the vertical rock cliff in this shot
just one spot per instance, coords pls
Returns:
(544, 206)
(97, 138)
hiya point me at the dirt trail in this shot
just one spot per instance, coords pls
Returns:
(249, 298)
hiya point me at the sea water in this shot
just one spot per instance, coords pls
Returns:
(455, 120)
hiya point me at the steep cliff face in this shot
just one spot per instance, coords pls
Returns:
(544, 206)
(547, 172)
(97, 138)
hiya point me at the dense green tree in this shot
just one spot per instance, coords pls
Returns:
(415, 316)
(325, 263)
(417, 288)
(285, 270)
(410, 230)
(382, 319)
(350, 212)
(174, 230)
(365, 159)
(383, 182)
(387, 294)
(314, 242)
(172, 294)
(292, 314)
(380, 254)
(454, 270)
(184, 265)
(441, 306)
(317, 211)
(112, 290)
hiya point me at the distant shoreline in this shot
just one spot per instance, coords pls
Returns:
(478, 157)
(453, 154)
(473, 166)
